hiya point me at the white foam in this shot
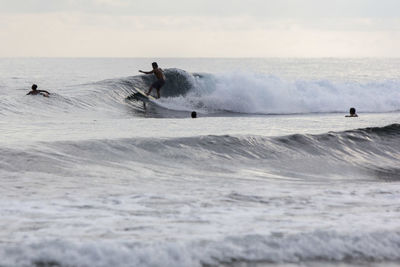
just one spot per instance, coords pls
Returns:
(247, 92)
(325, 246)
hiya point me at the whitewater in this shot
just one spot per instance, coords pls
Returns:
(271, 173)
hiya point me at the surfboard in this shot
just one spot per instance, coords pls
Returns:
(140, 95)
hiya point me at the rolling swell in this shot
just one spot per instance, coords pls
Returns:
(363, 153)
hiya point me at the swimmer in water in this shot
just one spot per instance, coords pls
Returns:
(352, 113)
(34, 91)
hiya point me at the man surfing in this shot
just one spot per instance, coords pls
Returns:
(158, 72)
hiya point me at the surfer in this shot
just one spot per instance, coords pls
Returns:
(352, 113)
(34, 91)
(158, 72)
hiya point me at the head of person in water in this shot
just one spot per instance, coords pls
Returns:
(34, 87)
(155, 65)
(194, 114)
(352, 111)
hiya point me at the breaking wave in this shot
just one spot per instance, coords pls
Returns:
(237, 92)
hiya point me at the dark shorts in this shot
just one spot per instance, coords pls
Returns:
(158, 84)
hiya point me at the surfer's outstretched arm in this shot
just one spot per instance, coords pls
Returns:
(147, 72)
(43, 91)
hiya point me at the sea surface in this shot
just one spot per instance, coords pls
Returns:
(271, 173)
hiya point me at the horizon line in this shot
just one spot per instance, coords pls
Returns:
(196, 57)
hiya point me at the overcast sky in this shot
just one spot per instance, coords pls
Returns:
(204, 28)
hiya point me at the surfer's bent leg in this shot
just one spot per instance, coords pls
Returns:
(153, 85)
(151, 88)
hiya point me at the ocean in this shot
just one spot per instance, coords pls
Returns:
(271, 173)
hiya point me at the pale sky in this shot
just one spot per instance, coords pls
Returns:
(200, 28)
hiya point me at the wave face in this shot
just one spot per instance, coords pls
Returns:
(234, 92)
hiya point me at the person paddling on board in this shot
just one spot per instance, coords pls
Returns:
(158, 72)
(36, 92)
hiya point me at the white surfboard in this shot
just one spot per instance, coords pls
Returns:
(143, 94)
